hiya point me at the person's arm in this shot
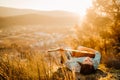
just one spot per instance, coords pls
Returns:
(97, 59)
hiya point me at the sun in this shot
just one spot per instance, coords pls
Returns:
(81, 7)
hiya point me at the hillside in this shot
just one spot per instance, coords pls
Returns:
(37, 19)
(6, 12)
(52, 20)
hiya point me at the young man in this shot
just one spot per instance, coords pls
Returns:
(84, 60)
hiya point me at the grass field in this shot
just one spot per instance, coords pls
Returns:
(24, 56)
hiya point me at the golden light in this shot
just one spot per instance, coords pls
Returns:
(77, 6)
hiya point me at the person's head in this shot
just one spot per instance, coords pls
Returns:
(87, 66)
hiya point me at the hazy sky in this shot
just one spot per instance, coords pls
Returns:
(77, 6)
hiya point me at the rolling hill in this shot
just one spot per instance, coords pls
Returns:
(49, 19)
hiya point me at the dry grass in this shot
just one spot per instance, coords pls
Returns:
(41, 66)
(18, 61)
(23, 58)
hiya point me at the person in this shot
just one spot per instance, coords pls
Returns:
(83, 60)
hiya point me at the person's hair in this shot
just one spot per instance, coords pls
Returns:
(86, 68)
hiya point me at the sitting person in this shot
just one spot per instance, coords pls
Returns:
(84, 60)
